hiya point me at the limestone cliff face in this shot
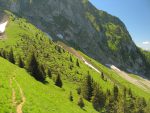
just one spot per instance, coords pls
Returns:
(79, 24)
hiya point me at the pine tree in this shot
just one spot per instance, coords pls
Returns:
(130, 93)
(71, 59)
(58, 81)
(11, 56)
(98, 99)
(102, 75)
(35, 69)
(81, 103)
(79, 90)
(87, 87)
(77, 63)
(71, 96)
(49, 73)
(141, 105)
(110, 105)
(116, 92)
(21, 63)
(42, 73)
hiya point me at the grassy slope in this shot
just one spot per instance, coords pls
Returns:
(24, 38)
(113, 76)
(40, 98)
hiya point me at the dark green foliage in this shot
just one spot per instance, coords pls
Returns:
(11, 56)
(81, 102)
(71, 96)
(79, 90)
(3, 54)
(36, 70)
(71, 59)
(99, 98)
(49, 73)
(42, 72)
(77, 63)
(130, 92)
(116, 92)
(21, 63)
(87, 87)
(110, 106)
(58, 81)
(141, 105)
(102, 75)
(124, 92)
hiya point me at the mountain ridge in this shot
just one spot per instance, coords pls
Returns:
(80, 25)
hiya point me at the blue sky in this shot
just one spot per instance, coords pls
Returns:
(134, 13)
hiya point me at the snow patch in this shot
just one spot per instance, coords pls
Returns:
(90, 65)
(3, 27)
(60, 36)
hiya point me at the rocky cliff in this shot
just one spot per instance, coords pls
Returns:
(79, 24)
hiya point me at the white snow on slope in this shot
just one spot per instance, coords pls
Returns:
(90, 65)
(3, 26)
(141, 82)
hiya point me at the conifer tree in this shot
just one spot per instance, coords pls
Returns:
(81, 102)
(58, 81)
(71, 59)
(21, 63)
(141, 105)
(79, 90)
(11, 56)
(49, 73)
(77, 63)
(98, 99)
(116, 92)
(36, 70)
(71, 96)
(42, 73)
(87, 87)
(102, 75)
(110, 105)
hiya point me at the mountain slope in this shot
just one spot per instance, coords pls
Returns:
(22, 39)
(79, 24)
(40, 98)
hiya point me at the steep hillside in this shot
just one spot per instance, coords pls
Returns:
(79, 24)
(39, 98)
(103, 90)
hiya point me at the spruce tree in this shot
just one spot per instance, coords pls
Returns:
(87, 87)
(71, 96)
(42, 73)
(71, 59)
(102, 75)
(77, 63)
(98, 99)
(49, 73)
(35, 69)
(11, 56)
(58, 81)
(141, 105)
(81, 103)
(21, 63)
(116, 92)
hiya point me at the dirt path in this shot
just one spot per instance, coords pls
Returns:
(142, 83)
(13, 94)
(14, 101)
(20, 105)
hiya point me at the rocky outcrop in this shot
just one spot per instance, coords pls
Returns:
(96, 33)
